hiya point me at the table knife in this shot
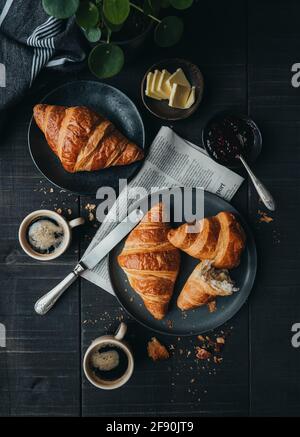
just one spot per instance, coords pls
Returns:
(90, 260)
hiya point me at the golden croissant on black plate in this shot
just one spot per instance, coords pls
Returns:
(84, 140)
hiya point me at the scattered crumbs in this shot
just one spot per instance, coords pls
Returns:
(90, 208)
(276, 237)
(69, 211)
(58, 210)
(51, 190)
(180, 351)
(218, 360)
(170, 324)
(192, 380)
(264, 217)
(220, 340)
(212, 306)
(201, 338)
(171, 347)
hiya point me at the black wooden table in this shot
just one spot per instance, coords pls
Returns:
(245, 51)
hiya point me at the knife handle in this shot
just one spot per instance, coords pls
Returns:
(46, 302)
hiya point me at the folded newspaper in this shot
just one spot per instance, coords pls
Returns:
(171, 162)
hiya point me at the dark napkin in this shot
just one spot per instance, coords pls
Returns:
(29, 41)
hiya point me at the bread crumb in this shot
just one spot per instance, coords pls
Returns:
(202, 354)
(220, 340)
(264, 217)
(212, 306)
(157, 351)
(170, 324)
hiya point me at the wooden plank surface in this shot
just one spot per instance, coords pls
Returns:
(245, 51)
(181, 386)
(274, 306)
(39, 368)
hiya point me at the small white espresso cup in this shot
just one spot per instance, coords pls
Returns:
(114, 340)
(67, 227)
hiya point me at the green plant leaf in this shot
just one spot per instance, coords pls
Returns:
(169, 31)
(93, 34)
(181, 4)
(106, 60)
(112, 27)
(116, 11)
(87, 15)
(60, 8)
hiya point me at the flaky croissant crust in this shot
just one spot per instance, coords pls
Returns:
(151, 262)
(84, 140)
(221, 239)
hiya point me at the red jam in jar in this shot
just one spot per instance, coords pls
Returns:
(227, 136)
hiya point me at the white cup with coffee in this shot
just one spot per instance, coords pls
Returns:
(108, 362)
(45, 235)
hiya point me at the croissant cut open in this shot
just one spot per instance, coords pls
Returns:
(84, 140)
(204, 285)
(151, 262)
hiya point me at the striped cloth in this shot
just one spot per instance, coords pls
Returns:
(29, 41)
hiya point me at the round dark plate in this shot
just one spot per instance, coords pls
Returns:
(160, 108)
(199, 320)
(107, 101)
(257, 145)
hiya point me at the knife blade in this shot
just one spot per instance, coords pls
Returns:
(90, 260)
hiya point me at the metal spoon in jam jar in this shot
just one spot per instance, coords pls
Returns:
(232, 140)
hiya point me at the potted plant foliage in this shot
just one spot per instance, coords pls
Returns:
(118, 27)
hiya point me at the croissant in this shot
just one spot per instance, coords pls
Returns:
(84, 140)
(150, 262)
(203, 285)
(231, 242)
(201, 244)
(220, 238)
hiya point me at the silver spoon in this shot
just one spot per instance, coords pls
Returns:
(262, 191)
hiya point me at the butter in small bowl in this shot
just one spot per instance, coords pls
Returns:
(173, 92)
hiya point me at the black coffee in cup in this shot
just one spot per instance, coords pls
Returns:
(108, 362)
(44, 235)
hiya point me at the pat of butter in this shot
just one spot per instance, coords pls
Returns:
(179, 96)
(154, 85)
(164, 88)
(149, 86)
(191, 99)
(179, 78)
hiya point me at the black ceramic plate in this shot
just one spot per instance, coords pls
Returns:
(160, 108)
(199, 320)
(105, 100)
